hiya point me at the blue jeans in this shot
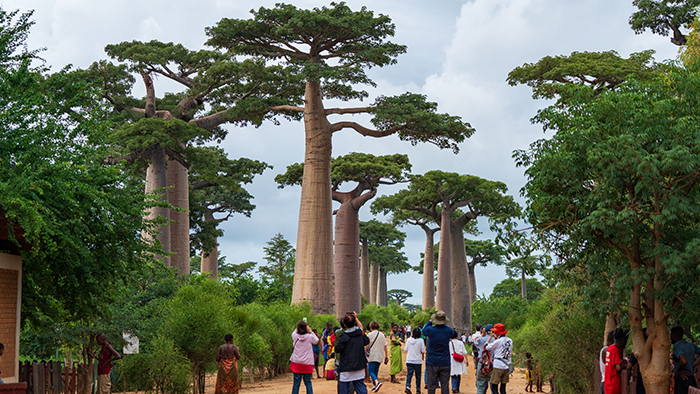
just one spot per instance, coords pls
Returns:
(307, 383)
(410, 369)
(456, 379)
(360, 387)
(482, 381)
(373, 370)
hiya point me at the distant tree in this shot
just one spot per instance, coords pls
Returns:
(510, 287)
(384, 244)
(440, 195)
(278, 273)
(399, 295)
(330, 48)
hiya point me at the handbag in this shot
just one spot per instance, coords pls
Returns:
(458, 357)
(369, 349)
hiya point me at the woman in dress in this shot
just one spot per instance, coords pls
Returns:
(457, 368)
(302, 360)
(396, 357)
(227, 357)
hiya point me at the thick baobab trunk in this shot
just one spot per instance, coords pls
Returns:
(472, 282)
(180, 227)
(313, 272)
(428, 300)
(210, 261)
(156, 178)
(443, 300)
(373, 283)
(347, 272)
(461, 294)
(523, 285)
(382, 296)
(364, 271)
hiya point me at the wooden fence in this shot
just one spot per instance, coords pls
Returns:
(52, 377)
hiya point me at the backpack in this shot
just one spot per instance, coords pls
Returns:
(486, 362)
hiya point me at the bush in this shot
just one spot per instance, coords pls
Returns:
(160, 368)
(564, 338)
(511, 311)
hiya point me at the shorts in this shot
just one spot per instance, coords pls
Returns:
(499, 376)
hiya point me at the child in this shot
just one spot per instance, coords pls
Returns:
(538, 379)
(528, 373)
(317, 353)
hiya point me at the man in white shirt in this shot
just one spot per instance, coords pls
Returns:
(501, 348)
(601, 361)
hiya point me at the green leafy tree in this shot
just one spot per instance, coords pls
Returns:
(217, 188)
(278, 274)
(620, 171)
(384, 244)
(365, 172)
(440, 195)
(510, 287)
(664, 17)
(399, 295)
(330, 48)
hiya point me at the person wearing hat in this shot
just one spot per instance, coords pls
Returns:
(501, 348)
(482, 381)
(438, 359)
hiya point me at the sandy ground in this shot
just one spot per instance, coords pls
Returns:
(283, 383)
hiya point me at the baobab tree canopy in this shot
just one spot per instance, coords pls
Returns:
(330, 48)
(664, 17)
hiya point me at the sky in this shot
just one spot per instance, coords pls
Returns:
(459, 55)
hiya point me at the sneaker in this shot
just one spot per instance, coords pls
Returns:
(407, 391)
(376, 387)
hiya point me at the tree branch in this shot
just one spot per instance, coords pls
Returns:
(287, 108)
(340, 111)
(201, 185)
(363, 130)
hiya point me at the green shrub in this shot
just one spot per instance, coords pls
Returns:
(160, 368)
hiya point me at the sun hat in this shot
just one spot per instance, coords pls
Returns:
(499, 329)
(439, 318)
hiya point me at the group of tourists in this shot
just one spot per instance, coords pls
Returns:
(353, 355)
(685, 357)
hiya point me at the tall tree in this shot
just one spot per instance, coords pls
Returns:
(401, 216)
(365, 172)
(621, 171)
(400, 295)
(385, 242)
(279, 270)
(331, 47)
(217, 89)
(439, 195)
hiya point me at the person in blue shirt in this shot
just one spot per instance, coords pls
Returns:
(684, 354)
(437, 361)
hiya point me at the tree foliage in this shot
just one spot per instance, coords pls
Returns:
(385, 243)
(510, 287)
(664, 17)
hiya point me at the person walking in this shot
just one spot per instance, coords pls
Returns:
(227, 375)
(501, 348)
(377, 352)
(415, 353)
(352, 359)
(458, 361)
(396, 356)
(437, 362)
(104, 364)
(482, 380)
(302, 359)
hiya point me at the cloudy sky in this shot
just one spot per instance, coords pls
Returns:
(459, 54)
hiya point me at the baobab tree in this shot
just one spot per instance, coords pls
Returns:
(217, 188)
(217, 90)
(365, 172)
(389, 205)
(440, 195)
(330, 47)
(384, 244)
